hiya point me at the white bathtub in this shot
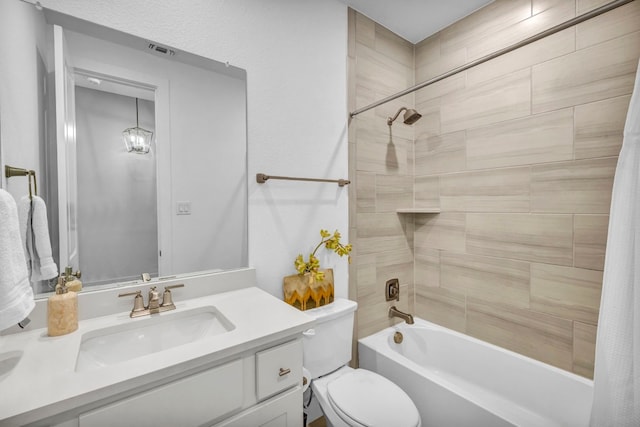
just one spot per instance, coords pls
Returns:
(456, 380)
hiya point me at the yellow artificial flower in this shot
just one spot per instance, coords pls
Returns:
(331, 242)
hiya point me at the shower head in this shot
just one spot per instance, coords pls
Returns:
(410, 116)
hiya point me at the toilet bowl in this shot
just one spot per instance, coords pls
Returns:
(358, 397)
(350, 397)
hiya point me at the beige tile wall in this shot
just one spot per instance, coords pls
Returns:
(382, 166)
(519, 154)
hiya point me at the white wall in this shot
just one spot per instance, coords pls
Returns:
(294, 52)
(21, 38)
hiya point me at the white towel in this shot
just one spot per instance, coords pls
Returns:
(17, 297)
(34, 230)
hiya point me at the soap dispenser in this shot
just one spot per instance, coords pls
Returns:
(62, 310)
(72, 280)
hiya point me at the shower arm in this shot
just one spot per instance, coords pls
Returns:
(391, 120)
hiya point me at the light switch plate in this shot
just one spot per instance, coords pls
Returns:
(183, 208)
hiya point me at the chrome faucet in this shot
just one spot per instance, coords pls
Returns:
(394, 312)
(154, 306)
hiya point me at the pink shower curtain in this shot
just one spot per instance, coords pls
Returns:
(616, 400)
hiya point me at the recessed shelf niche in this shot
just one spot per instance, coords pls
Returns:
(418, 210)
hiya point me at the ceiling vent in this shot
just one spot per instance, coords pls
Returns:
(161, 49)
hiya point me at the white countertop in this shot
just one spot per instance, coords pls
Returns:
(44, 382)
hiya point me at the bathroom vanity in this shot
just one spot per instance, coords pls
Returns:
(231, 358)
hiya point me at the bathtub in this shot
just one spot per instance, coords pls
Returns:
(456, 380)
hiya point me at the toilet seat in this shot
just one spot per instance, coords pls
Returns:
(365, 399)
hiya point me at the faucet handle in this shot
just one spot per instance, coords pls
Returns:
(167, 300)
(392, 290)
(138, 303)
(136, 293)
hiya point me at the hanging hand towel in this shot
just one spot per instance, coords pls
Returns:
(34, 229)
(17, 297)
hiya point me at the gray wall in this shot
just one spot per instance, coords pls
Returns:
(204, 158)
(117, 209)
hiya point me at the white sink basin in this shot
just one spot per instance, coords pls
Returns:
(152, 334)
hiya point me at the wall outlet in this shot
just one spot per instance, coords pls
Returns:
(183, 208)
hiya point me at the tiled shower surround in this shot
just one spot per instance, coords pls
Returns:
(518, 154)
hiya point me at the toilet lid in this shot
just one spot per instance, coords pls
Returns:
(371, 400)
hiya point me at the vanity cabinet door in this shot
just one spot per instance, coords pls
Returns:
(278, 368)
(191, 401)
(284, 410)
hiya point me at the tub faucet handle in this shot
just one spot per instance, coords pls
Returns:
(392, 288)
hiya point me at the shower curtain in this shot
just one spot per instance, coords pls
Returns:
(616, 399)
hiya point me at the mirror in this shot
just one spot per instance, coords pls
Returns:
(69, 88)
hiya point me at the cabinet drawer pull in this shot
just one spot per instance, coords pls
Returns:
(284, 372)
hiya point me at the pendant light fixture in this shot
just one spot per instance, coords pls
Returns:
(137, 140)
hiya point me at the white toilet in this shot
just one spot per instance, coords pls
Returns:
(347, 396)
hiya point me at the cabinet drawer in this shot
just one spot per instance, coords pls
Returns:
(278, 368)
(194, 400)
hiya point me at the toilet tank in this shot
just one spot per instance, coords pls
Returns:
(327, 345)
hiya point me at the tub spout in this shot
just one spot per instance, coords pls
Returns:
(394, 312)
